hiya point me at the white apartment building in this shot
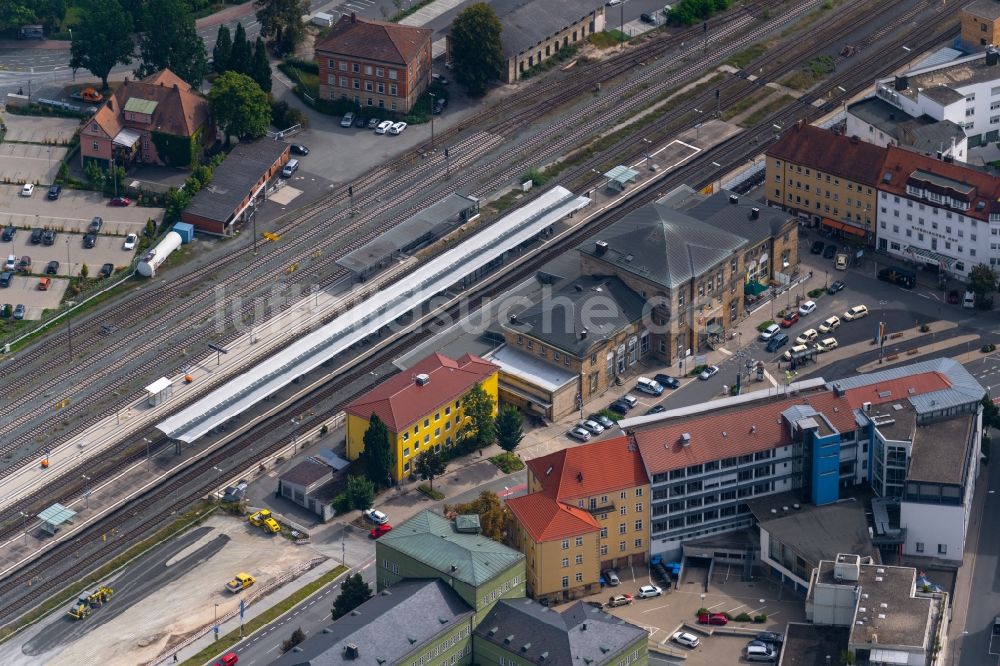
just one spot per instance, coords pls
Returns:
(876, 121)
(938, 213)
(965, 91)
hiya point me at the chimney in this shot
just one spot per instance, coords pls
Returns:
(992, 56)
(422, 379)
(583, 334)
(902, 82)
(601, 248)
(733, 199)
(513, 319)
(685, 439)
(354, 17)
(754, 213)
(351, 651)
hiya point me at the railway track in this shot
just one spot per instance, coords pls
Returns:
(186, 487)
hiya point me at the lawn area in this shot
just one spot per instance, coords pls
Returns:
(507, 462)
(607, 39)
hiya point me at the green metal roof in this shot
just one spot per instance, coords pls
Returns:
(432, 539)
(139, 105)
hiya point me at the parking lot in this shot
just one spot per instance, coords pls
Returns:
(663, 616)
(68, 250)
(24, 290)
(39, 129)
(30, 163)
(71, 212)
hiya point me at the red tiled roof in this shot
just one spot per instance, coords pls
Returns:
(590, 469)
(744, 429)
(902, 163)
(829, 152)
(179, 111)
(361, 37)
(399, 401)
(546, 519)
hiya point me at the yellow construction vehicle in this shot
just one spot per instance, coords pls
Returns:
(240, 583)
(90, 600)
(264, 520)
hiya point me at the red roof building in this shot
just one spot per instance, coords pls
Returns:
(587, 510)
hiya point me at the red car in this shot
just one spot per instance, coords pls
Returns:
(229, 659)
(789, 319)
(379, 531)
(120, 201)
(953, 297)
(713, 618)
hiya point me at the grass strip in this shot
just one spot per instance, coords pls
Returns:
(430, 492)
(71, 592)
(766, 110)
(268, 616)
(507, 462)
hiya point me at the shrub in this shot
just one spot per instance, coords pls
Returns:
(760, 619)
(987, 348)
(341, 503)
(324, 429)
(743, 617)
(924, 328)
(763, 325)
(702, 611)
(729, 616)
(816, 293)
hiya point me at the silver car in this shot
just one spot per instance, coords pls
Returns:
(593, 427)
(579, 434)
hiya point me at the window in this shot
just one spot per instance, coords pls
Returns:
(392, 75)
(622, 528)
(368, 86)
(95, 146)
(342, 65)
(565, 581)
(920, 546)
(604, 549)
(621, 546)
(942, 549)
(392, 90)
(356, 84)
(355, 67)
(565, 544)
(638, 507)
(379, 71)
(565, 562)
(638, 526)
(638, 543)
(579, 577)
(579, 559)
(406, 452)
(579, 541)
(604, 532)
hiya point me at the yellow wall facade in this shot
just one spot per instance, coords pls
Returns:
(435, 429)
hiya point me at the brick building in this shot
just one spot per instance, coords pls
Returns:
(374, 64)
(980, 24)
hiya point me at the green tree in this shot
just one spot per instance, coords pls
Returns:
(477, 57)
(360, 492)
(353, 592)
(281, 21)
(378, 456)
(84, 271)
(14, 14)
(430, 465)
(239, 106)
(492, 514)
(510, 429)
(223, 47)
(95, 175)
(297, 637)
(239, 54)
(103, 39)
(982, 280)
(479, 429)
(260, 68)
(169, 40)
(991, 413)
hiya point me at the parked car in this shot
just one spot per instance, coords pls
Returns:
(52, 268)
(579, 433)
(807, 336)
(835, 287)
(648, 386)
(5, 279)
(953, 298)
(89, 240)
(686, 639)
(120, 202)
(969, 300)
(772, 637)
(95, 225)
(374, 122)
(760, 652)
(36, 236)
(439, 79)
(611, 577)
(25, 264)
(361, 121)
(709, 372)
(778, 341)
(656, 409)
(49, 237)
(593, 427)
(8, 233)
(106, 270)
(817, 247)
(602, 419)
(376, 516)
(667, 381)
(717, 619)
(54, 192)
(807, 308)
(829, 251)
(228, 659)
(347, 120)
(439, 105)
(769, 332)
(789, 319)
(620, 407)
(11, 263)
(28, 190)
(830, 324)
(827, 344)
(841, 262)
(383, 127)
(397, 128)
(648, 18)
(298, 149)
(649, 591)
(630, 399)
(794, 350)
(19, 311)
(857, 312)
(130, 242)
(379, 530)
(620, 600)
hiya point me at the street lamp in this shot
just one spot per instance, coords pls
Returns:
(218, 476)
(148, 462)
(215, 625)
(647, 141)
(24, 526)
(621, 29)
(432, 119)
(86, 492)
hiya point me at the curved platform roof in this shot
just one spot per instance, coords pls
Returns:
(313, 349)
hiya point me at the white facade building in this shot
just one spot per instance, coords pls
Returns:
(876, 121)
(965, 91)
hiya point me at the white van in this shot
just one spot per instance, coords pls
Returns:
(760, 653)
(648, 386)
(290, 167)
(970, 300)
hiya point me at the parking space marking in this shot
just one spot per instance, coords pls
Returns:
(737, 608)
(716, 605)
(650, 610)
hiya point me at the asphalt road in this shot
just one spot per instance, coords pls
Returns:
(984, 604)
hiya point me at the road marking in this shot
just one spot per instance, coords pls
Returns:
(716, 605)
(756, 611)
(273, 649)
(733, 609)
(650, 610)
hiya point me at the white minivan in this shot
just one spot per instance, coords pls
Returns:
(648, 386)
(970, 300)
(290, 167)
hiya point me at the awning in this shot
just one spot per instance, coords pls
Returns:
(159, 385)
(127, 138)
(54, 516)
(929, 256)
(843, 226)
(894, 657)
(753, 288)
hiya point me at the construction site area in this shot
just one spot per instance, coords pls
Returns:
(164, 597)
